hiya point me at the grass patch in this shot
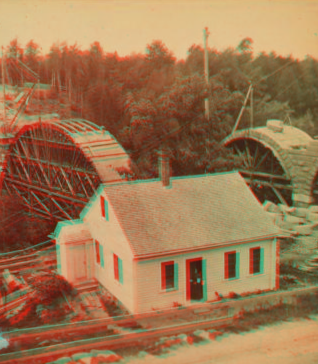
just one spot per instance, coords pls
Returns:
(291, 276)
(306, 305)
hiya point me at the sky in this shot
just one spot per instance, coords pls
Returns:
(284, 26)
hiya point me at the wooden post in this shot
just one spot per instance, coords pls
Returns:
(242, 109)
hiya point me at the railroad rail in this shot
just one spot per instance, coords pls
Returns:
(52, 352)
(187, 319)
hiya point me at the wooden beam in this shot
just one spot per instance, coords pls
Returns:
(82, 185)
(268, 184)
(40, 202)
(80, 201)
(21, 196)
(262, 159)
(67, 180)
(48, 164)
(22, 164)
(263, 174)
(242, 109)
(61, 209)
(280, 196)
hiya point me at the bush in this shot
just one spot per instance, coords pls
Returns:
(176, 304)
(50, 315)
(233, 295)
(50, 287)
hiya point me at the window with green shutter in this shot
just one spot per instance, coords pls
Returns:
(101, 254)
(256, 260)
(118, 269)
(232, 265)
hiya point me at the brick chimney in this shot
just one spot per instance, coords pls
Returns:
(164, 168)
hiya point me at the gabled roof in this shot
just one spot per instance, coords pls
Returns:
(197, 212)
(71, 231)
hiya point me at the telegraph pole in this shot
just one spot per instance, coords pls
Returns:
(206, 70)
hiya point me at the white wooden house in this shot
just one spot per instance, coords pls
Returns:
(157, 243)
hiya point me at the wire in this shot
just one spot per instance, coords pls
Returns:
(286, 88)
(273, 73)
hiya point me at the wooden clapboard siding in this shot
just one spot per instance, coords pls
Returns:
(63, 257)
(245, 282)
(110, 235)
(90, 260)
(149, 295)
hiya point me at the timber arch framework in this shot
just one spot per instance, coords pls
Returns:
(279, 162)
(55, 166)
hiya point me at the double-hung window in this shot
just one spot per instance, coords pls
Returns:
(104, 208)
(256, 260)
(99, 252)
(118, 269)
(231, 265)
(168, 275)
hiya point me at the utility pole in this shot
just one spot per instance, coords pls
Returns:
(3, 89)
(206, 70)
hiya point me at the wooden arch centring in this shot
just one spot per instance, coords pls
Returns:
(49, 172)
(263, 169)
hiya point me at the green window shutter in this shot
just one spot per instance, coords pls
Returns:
(261, 260)
(176, 276)
(120, 271)
(237, 267)
(101, 254)
(106, 210)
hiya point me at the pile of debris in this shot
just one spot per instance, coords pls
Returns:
(293, 221)
(14, 293)
(94, 357)
(301, 224)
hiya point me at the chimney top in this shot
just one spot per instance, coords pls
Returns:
(164, 168)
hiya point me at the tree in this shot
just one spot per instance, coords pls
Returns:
(96, 62)
(105, 104)
(245, 46)
(31, 55)
(159, 55)
(14, 50)
(306, 123)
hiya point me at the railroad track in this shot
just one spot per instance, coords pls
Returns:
(143, 336)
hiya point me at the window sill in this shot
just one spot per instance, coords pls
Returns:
(162, 291)
(231, 279)
(118, 283)
(256, 275)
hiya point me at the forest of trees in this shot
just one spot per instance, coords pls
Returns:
(148, 101)
(152, 100)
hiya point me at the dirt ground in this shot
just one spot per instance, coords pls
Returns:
(289, 342)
